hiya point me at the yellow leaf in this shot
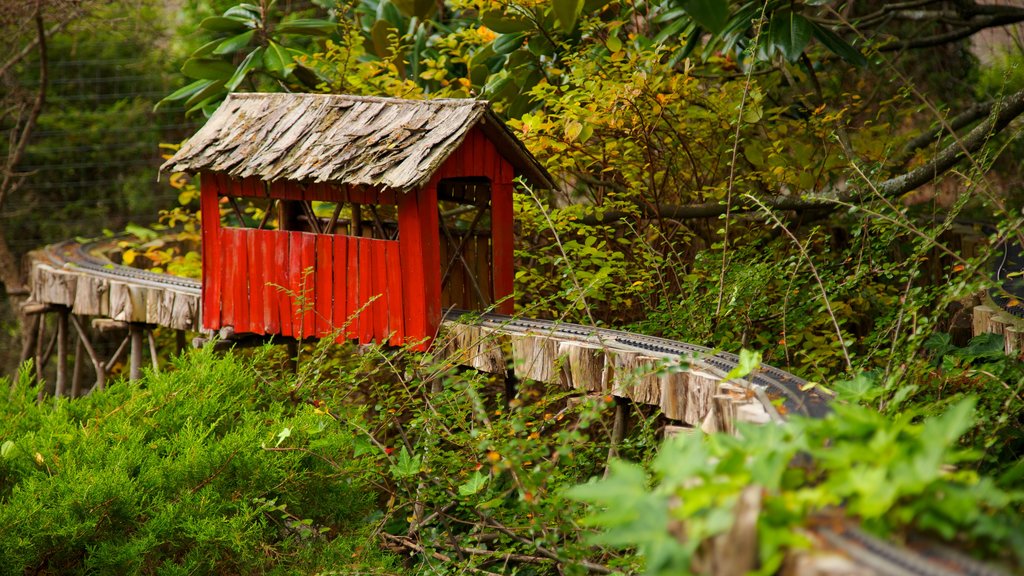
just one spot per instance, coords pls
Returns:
(128, 256)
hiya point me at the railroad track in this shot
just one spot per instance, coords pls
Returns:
(768, 382)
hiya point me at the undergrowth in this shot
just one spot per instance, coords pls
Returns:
(205, 468)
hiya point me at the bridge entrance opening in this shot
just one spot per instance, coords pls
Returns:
(464, 214)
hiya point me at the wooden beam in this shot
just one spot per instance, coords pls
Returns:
(152, 351)
(101, 373)
(135, 332)
(60, 386)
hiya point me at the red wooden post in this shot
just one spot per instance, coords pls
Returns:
(210, 208)
(411, 253)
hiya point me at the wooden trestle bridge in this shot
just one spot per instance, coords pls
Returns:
(86, 292)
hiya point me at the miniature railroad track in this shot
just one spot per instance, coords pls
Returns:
(767, 382)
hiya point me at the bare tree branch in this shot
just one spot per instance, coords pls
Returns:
(28, 48)
(966, 118)
(37, 107)
(966, 29)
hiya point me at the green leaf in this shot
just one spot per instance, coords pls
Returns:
(307, 26)
(748, 362)
(244, 11)
(508, 43)
(254, 59)
(186, 91)
(861, 387)
(7, 449)
(421, 9)
(235, 43)
(789, 33)
(212, 88)
(838, 46)
(206, 49)
(207, 68)
(406, 465)
(475, 484)
(613, 43)
(712, 15)
(567, 11)
(227, 24)
(504, 23)
(381, 35)
(276, 58)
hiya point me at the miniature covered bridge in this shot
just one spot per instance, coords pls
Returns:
(358, 216)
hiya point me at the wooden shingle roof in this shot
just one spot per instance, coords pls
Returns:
(356, 140)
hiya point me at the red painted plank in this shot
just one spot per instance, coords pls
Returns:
(243, 318)
(308, 301)
(394, 277)
(430, 234)
(411, 253)
(229, 270)
(265, 239)
(284, 299)
(352, 289)
(366, 318)
(502, 246)
(380, 289)
(211, 247)
(254, 256)
(340, 271)
(324, 284)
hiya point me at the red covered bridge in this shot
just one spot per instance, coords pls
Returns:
(366, 215)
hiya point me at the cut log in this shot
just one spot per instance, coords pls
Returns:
(536, 358)
(979, 322)
(700, 388)
(673, 394)
(585, 366)
(1013, 341)
(91, 297)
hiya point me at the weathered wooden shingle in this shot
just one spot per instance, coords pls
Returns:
(357, 140)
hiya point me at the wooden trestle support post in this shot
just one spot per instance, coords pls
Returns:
(69, 365)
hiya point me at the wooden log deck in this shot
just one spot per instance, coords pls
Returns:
(686, 382)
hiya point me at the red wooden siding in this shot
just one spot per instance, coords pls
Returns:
(300, 284)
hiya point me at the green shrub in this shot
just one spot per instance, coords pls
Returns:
(200, 469)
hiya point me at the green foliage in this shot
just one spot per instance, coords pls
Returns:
(183, 472)
(250, 40)
(904, 473)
